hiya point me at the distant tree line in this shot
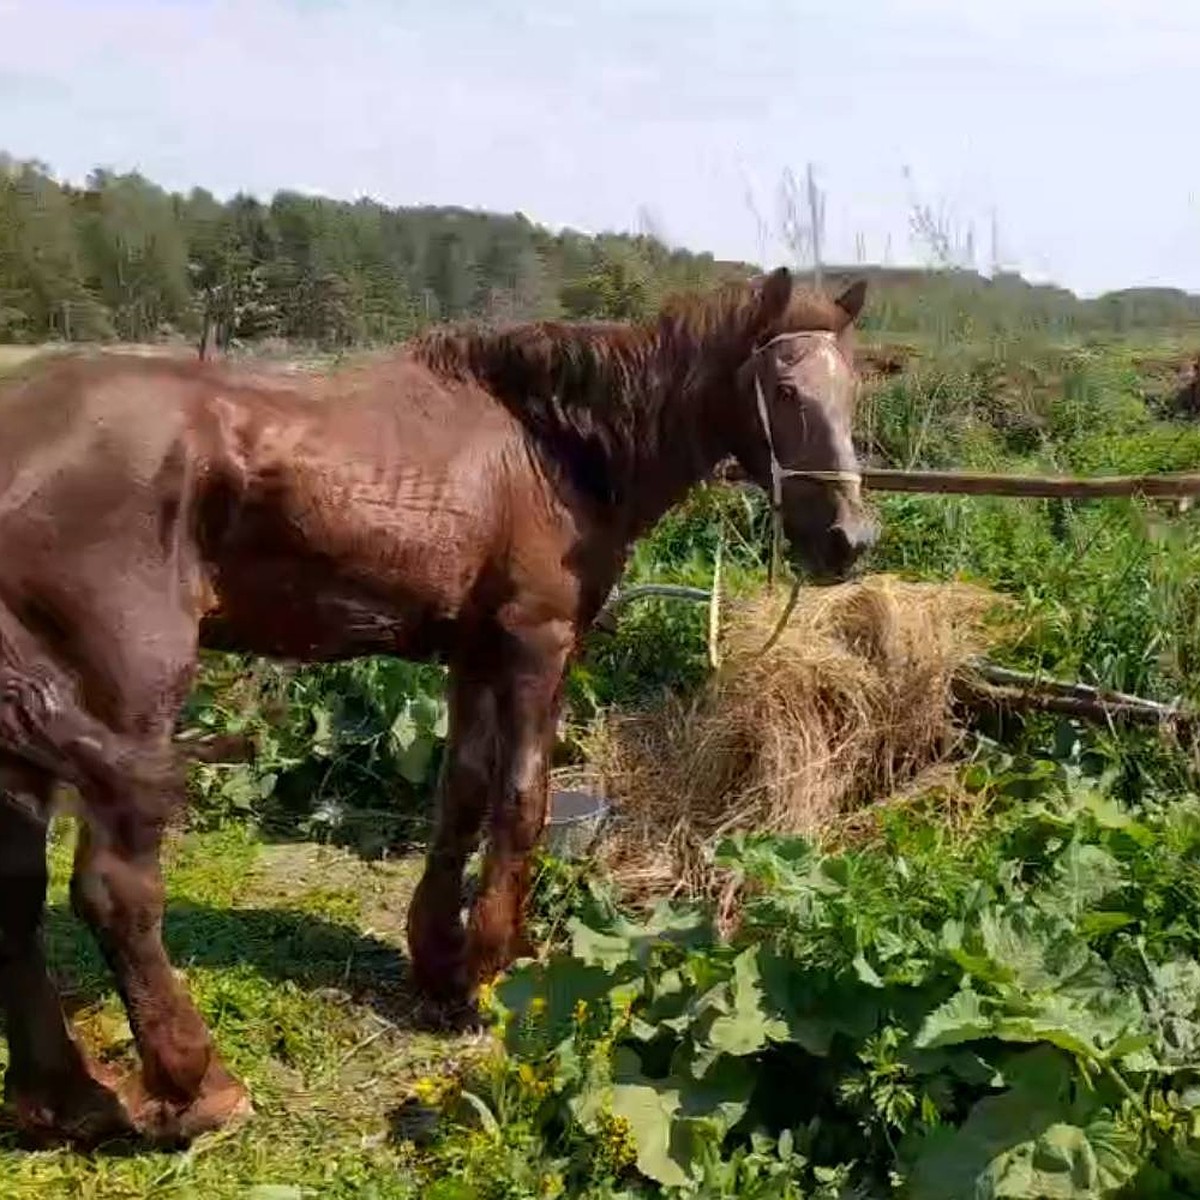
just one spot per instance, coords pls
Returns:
(120, 258)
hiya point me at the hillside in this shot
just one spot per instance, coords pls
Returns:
(912, 299)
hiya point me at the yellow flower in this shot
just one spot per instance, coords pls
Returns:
(551, 1186)
(531, 1082)
(537, 1006)
(581, 1010)
(432, 1090)
(618, 1146)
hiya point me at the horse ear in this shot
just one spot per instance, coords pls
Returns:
(851, 301)
(776, 296)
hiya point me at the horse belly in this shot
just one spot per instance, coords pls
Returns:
(298, 611)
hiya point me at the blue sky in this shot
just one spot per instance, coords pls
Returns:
(1074, 120)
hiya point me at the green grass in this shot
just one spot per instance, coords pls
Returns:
(294, 954)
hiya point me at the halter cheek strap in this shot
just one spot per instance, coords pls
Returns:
(779, 472)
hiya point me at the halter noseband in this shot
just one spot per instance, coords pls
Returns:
(779, 472)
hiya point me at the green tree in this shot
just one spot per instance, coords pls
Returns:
(136, 255)
(619, 287)
(42, 291)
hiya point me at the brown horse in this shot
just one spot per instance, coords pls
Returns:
(472, 497)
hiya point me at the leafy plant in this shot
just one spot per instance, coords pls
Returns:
(349, 751)
(1014, 1013)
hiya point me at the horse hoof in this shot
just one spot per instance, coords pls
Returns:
(452, 1014)
(223, 1105)
(76, 1113)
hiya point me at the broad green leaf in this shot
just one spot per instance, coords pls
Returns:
(624, 940)
(599, 948)
(430, 714)
(745, 1019)
(722, 1096)
(404, 730)
(556, 986)
(1030, 948)
(1027, 1144)
(650, 1107)
(1173, 1002)
(865, 972)
(414, 760)
(1053, 1018)
(1060, 1024)
(1084, 876)
(965, 1017)
(816, 1006)
(961, 1062)
(1095, 924)
(1108, 814)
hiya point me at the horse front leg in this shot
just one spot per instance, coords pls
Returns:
(131, 785)
(436, 938)
(530, 688)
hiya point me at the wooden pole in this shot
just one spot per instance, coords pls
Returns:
(977, 483)
(970, 483)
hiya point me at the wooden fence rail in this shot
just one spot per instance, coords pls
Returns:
(970, 483)
(977, 483)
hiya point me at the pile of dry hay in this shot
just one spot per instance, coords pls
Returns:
(852, 704)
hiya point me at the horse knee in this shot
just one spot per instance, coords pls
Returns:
(118, 897)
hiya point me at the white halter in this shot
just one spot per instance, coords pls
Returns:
(779, 472)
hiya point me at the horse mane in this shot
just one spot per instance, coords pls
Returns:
(602, 396)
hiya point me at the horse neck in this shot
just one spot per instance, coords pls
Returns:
(679, 445)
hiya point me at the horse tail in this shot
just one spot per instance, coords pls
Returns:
(43, 723)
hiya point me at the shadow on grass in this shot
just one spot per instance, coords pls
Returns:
(282, 945)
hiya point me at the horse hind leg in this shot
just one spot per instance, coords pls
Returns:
(117, 887)
(50, 1088)
(129, 783)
